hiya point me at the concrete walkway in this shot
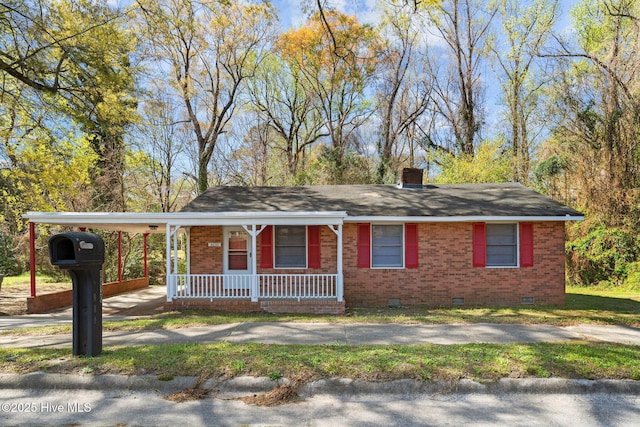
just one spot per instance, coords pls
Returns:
(348, 334)
(148, 301)
(142, 302)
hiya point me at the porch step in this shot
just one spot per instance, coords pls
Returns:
(319, 306)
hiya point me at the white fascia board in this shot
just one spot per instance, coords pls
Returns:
(476, 218)
(112, 221)
(96, 217)
(123, 219)
(186, 219)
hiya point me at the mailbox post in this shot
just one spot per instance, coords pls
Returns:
(83, 255)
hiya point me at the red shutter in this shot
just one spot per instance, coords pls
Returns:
(266, 247)
(364, 245)
(411, 245)
(479, 244)
(313, 246)
(526, 244)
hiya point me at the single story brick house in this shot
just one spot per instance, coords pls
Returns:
(320, 249)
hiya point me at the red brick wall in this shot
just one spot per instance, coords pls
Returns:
(446, 272)
(209, 260)
(328, 256)
(205, 259)
(445, 268)
(224, 305)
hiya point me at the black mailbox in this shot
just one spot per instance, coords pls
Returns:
(76, 251)
(83, 255)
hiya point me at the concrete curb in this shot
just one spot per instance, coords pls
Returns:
(46, 381)
(464, 386)
(241, 386)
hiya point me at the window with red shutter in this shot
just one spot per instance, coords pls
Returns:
(411, 245)
(313, 246)
(479, 244)
(266, 247)
(364, 245)
(526, 244)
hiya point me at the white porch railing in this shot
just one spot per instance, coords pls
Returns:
(212, 286)
(298, 286)
(238, 286)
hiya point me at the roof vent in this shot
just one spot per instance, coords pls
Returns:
(411, 178)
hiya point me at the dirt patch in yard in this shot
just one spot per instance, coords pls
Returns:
(13, 298)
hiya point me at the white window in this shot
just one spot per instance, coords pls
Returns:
(502, 245)
(387, 246)
(291, 246)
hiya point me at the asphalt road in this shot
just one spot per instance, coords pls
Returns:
(147, 408)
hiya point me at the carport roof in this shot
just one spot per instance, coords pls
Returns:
(145, 222)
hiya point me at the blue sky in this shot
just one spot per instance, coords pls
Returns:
(292, 16)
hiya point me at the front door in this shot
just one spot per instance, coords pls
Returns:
(237, 258)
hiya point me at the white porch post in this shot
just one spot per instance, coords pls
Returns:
(340, 283)
(169, 278)
(188, 229)
(253, 232)
(339, 276)
(175, 249)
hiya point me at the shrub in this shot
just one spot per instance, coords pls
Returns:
(602, 254)
(9, 263)
(633, 276)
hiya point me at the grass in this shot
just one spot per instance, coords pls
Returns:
(584, 306)
(24, 279)
(480, 362)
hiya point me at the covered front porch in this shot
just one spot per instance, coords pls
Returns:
(231, 258)
(220, 264)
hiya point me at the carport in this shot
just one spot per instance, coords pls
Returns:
(121, 222)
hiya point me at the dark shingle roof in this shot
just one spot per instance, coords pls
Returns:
(384, 200)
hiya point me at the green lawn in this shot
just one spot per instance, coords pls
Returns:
(482, 362)
(584, 305)
(24, 280)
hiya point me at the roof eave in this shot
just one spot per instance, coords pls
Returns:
(471, 218)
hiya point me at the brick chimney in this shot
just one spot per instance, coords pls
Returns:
(411, 178)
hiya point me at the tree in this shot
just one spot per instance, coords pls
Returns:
(38, 52)
(211, 49)
(154, 168)
(336, 68)
(286, 106)
(404, 91)
(487, 165)
(463, 25)
(526, 26)
(65, 65)
(598, 106)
